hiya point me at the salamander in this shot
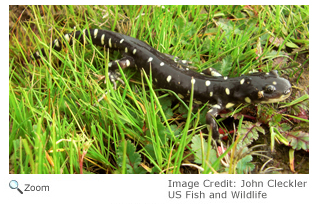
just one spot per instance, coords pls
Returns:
(219, 91)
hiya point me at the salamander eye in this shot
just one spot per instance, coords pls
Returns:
(287, 91)
(269, 89)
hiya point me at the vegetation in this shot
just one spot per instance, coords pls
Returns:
(65, 119)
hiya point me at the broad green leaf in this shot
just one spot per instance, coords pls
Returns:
(298, 139)
(244, 165)
(133, 159)
(197, 148)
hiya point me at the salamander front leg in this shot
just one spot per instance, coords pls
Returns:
(113, 72)
(211, 122)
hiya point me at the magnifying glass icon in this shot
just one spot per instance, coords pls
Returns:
(14, 185)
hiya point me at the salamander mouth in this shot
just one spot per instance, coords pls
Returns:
(282, 97)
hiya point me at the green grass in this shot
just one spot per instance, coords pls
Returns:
(56, 122)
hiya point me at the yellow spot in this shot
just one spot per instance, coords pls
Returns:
(128, 62)
(216, 106)
(169, 78)
(213, 73)
(227, 91)
(103, 39)
(95, 33)
(110, 43)
(193, 81)
(207, 83)
(247, 99)
(229, 105)
(56, 43)
(242, 81)
(67, 37)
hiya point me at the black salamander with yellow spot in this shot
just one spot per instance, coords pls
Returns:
(220, 92)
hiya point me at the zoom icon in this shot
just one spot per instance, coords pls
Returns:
(15, 185)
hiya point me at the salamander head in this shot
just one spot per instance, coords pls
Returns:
(266, 88)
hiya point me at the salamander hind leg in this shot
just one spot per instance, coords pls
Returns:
(113, 71)
(125, 62)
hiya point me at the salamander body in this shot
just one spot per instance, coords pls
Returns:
(219, 91)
